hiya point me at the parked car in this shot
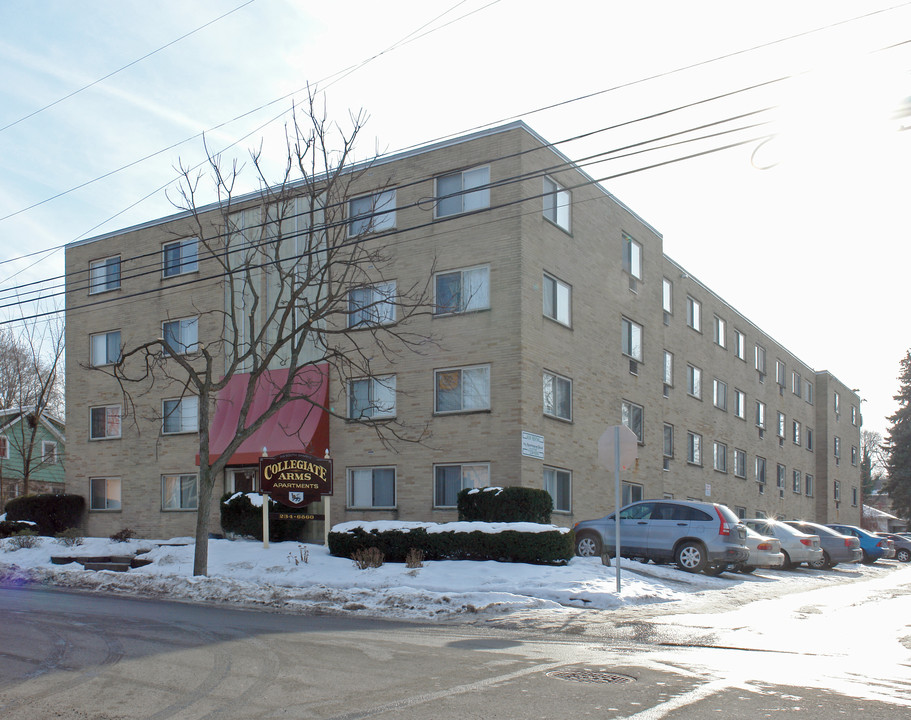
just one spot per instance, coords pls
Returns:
(873, 548)
(902, 545)
(798, 547)
(836, 547)
(698, 536)
(765, 552)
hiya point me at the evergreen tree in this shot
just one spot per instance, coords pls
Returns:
(899, 445)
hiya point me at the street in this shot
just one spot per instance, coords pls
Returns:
(742, 651)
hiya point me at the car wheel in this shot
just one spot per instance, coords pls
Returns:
(588, 545)
(824, 563)
(746, 569)
(903, 555)
(715, 569)
(787, 564)
(690, 556)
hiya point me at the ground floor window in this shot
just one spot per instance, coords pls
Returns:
(372, 487)
(632, 492)
(104, 493)
(559, 484)
(241, 480)
(179, 492)
(449, 480)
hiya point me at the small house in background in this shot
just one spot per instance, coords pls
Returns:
(31, 454)
(878, 520)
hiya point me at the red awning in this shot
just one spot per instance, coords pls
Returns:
(302, 425)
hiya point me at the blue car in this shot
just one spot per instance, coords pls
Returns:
(874, 548)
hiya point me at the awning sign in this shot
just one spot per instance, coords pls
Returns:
(295, 479)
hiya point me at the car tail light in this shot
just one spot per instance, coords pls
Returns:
(764, 546)
(881, 543)
(806, 541)
(848, 542)
(725, 527)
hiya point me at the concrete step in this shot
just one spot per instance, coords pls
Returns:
(115, 566)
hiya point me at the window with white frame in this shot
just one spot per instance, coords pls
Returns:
(372, 397)
(631, 417)
(179, 257)
(781, 425)
(694, 313)
(810, 439)
(49, 452)
(105, 348)
(694, 381)
(372, 305)
(760, 414)
(630, 493)
(104, 275)
(668, 368)
(740, 346)
(796, 383)
(796, 483)
(4, 447)
(760, 359)
(667, 297)
(836, 446)
(854, 496)
(760, 470)
(740, 404)
(837, 405)
(558, 483)
(371, 487)
(854, 416)
(460, 291)
(808, 392)
(632, 339)
(836, 489)
(180, 415)
(720, 394)
(854, 455)
(632, 257)
(720, 457)
(668, 440)
(449, 480)
(795, 432)
(721, 332)
(104, 493)
(740, 463)
(693, 448)
(104, 422)
(371, 213)
(462, 389)
(780, 373)
(182, 335)
(557, 204)
(179, 492)
(780, 475)
(557, 299)
(808, 485)
(463, 191)
(558, 396)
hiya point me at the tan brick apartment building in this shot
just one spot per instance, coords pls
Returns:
(557, 314)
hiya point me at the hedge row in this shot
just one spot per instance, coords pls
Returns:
(508, 504)
(550, 547)
(51, 513)
(241, 517)
(14, 527)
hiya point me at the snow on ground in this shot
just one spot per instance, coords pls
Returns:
(298, 577)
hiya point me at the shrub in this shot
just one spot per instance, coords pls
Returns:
(24, 539)
(11, 527)
(414, 558)
(71, 537)
(371, 557)
(241, 517)
(50, 513)
(123, 535)
(509, 504)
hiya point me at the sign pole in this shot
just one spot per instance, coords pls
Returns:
(265, 508)
(617, 503)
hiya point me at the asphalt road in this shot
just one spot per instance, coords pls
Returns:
(77, 656)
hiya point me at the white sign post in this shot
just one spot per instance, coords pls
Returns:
(618, 447)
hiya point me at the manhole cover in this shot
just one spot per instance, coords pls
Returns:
(590, 676)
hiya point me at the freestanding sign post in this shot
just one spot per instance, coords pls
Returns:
(295, 480)
(618, 447)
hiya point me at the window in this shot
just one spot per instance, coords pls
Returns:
(559, 484)
(179, 257)
(104, 494)
(179, 492)
(557, 300)
(631, 417)
(780, 373)
(694, 313)
(809, 438)
(836, 489)
(557, 202)
(694, 448)
(854, 416)
(371, 213)
(720, 394)
(371, 487)
(668, 440)
(449, 480)
(780, 475)
(837, 405)
(105, 422)
(808, 392)
(4, 447)
(462, 291)
(836, 446)
(760, 359)
(668, 368)
(808, 485)
(182, 335)
(371, 305)
(694, 381)
(740, 463)
(632, 257)
(720, 457)
(721, 333)
(104, 275)
(795, 481)
(105, 348)
(795, 383)
(667, 299)
(740, 345)
(558, 396)
(781, 425)
(854, 495)
(462, 389)
(854, 455)
(49, 452)
(630, 493)
(795, 432)
(180, 415)
(740, 404)
(371, 397)
(464, 191)
(760, 470)
(632, 339)
(760, 414)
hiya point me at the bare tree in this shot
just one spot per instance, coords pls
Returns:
(305, 286)
(872, 461)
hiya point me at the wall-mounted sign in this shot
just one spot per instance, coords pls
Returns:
(294, 479)
(532, 445)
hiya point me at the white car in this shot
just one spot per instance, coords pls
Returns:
(796, 546)
(765, 552)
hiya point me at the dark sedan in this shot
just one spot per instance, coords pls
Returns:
(836, 547)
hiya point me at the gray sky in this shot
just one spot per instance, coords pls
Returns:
(814, 250)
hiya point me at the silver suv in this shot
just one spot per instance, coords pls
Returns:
(698, 536)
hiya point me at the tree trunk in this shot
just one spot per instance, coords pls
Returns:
(201, 555)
